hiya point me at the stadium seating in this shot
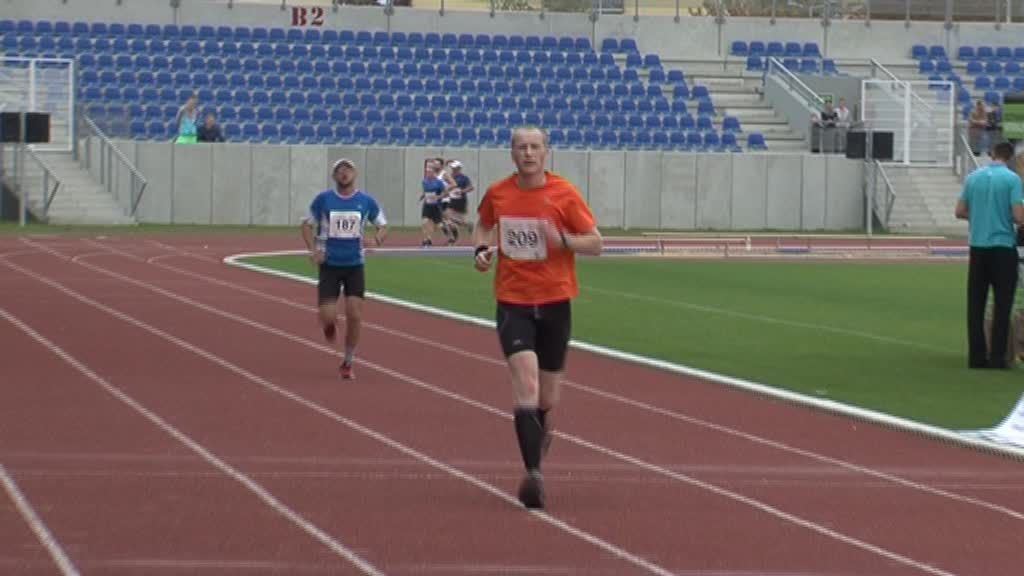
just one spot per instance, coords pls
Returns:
(345, 86)
(800, 58)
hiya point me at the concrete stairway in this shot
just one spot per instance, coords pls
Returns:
(736, 92)
(925, 200)
(80, 199)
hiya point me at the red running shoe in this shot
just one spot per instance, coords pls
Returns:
(346, 371)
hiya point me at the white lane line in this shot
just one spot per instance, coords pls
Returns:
(60, 558)
(729, 494)
(260, 492)
(631, 402)
(608, 547)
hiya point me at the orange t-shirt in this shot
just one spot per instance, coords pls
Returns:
(530, 269)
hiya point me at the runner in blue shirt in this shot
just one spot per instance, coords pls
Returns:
(339, 217)
(433, 190)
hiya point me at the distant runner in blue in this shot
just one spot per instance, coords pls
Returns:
(339, 217)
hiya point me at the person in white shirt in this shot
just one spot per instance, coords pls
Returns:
(844, 114)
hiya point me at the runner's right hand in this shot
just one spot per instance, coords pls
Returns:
(317, 257)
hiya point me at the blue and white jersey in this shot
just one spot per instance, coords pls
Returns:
(340, 222)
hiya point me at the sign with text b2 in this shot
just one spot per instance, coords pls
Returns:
(303, 16)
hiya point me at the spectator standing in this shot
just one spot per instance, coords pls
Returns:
(978, 129)
(843, 114)
(825, 122)
(210, 130)
(991, 202)
(188, 116)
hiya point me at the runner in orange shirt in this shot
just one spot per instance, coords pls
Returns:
(541, 221)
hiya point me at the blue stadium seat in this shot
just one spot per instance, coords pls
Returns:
(704, 124)
(755, 141)
(808, 66)
(937, 53)
(706, 107)
(1012, 68)
(982, 83)
(729, 142)
(740, 48)
(698, 93)
(793, 50)
(811, 50)
(1001, 83)
(775, 50)
(993, 67)
(919, 52)
(966, 53)
(1004, 53)
(985, 53)
(755, 64)
(731, 124)
(975, 68)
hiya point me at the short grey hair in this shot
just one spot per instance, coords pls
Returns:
(529, 127)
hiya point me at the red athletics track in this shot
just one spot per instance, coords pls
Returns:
(809, 493)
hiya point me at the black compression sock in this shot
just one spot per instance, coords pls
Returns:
(531, 435)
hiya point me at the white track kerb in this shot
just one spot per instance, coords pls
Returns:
(969, 439)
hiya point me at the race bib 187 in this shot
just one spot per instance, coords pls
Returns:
(346, 224)
(523, 238)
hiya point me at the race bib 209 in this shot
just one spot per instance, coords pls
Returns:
(346, 224)
(523, 238)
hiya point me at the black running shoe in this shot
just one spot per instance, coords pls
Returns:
(531, 491)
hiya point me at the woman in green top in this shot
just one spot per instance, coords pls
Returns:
(186, 120)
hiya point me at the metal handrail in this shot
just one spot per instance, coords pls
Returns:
(48, 194)
(108, 151)
(876, 65)
(962, 150)
(812, 97)
(890, 197)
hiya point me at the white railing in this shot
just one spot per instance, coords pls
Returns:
(920, 115)
(879, 194)
(795, 84)
(110, 160)
(41, 85)
(33, 194)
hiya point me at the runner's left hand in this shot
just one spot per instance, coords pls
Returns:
(379, 236)
(553, 235)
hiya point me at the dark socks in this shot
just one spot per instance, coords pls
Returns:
(530, 432)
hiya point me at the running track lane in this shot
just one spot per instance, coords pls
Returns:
(119, 494)
(996, 477)
(783, 542)
(796, 428)
(403, 516)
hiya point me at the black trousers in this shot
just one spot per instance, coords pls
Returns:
(995, 268)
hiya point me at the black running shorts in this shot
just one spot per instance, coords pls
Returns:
(432, 212)
(458, 205)
(333, 278)
(544, 329)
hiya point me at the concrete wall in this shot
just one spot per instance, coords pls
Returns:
(272, 185)
(690, 37)
(796, 111)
